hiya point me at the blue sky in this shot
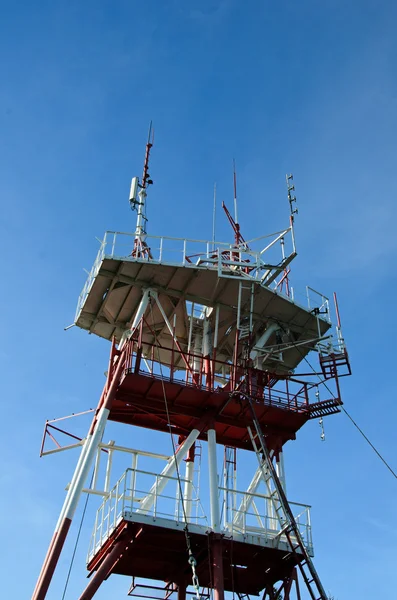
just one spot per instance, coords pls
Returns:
(305, 87)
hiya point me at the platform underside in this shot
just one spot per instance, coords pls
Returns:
(159, 553)
(140, 401)
(109, 303)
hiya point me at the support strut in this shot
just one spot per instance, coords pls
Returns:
(85, 461)
(105, 569)
(217, 569)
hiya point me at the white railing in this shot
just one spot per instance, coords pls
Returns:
(253, 513)
(126, 498)
(244, 513)
(183, 251)
(259, 264)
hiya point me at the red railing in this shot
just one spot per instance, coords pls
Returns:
(214, 375)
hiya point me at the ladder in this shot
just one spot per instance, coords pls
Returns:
(282, 509)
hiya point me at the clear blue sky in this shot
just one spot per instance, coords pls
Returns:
(306, 87)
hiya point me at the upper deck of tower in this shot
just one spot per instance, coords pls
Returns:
(233, 288)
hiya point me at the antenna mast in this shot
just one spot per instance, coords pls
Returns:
(138, 200)
(213, 219)
(235, 193)
(291, 198)
(238, 238)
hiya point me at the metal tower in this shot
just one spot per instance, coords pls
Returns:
(206, 341)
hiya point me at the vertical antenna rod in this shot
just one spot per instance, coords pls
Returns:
(213, 219)
(291, 198)
(140, 248)
(293, 211)
(238, 238)
(236, 223)
(150, 141)
(235, 192)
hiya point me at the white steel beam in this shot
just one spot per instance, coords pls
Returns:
(263, 339)
(188, 488)
(167, 472)
(247, 499)
(213, 476)
(280, 470)
(138, 315)
(109, 467)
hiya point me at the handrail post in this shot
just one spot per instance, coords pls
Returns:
(116, 503)
(155, 496)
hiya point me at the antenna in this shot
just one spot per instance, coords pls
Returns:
(238, 238)
(213, 219)
(235, 192)
(291, 199)
(145, 176)
(138, 201)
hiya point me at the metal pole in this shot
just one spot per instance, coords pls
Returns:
(108, 468)
(168, 471)
(248, 497)
(96, 469)
(213, 475)
(217, 566)
(181, 592)
(188, 488)
(138, 315)
(133, 478)
(70, 506)
(280, 470)
(213, 220)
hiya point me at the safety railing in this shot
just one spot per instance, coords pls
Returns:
(253, 513)
(247, 262)
(142, 492)
(213, 374)
(184, 251)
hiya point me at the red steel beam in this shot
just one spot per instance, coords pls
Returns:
(105, 569)
(217, 567)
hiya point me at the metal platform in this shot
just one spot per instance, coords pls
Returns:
(239, 286)
(159, 553)
(255, 552)
(140, 401)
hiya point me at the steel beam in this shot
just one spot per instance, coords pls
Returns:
(217, 569)
(104, 570)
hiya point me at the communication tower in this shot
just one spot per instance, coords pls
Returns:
(206, 340)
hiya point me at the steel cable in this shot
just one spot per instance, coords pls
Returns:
(191, 560)
(322, 382)
(77, 542)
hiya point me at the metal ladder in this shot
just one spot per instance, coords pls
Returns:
(282, 509)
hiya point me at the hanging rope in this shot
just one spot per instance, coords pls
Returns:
(191, 559)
